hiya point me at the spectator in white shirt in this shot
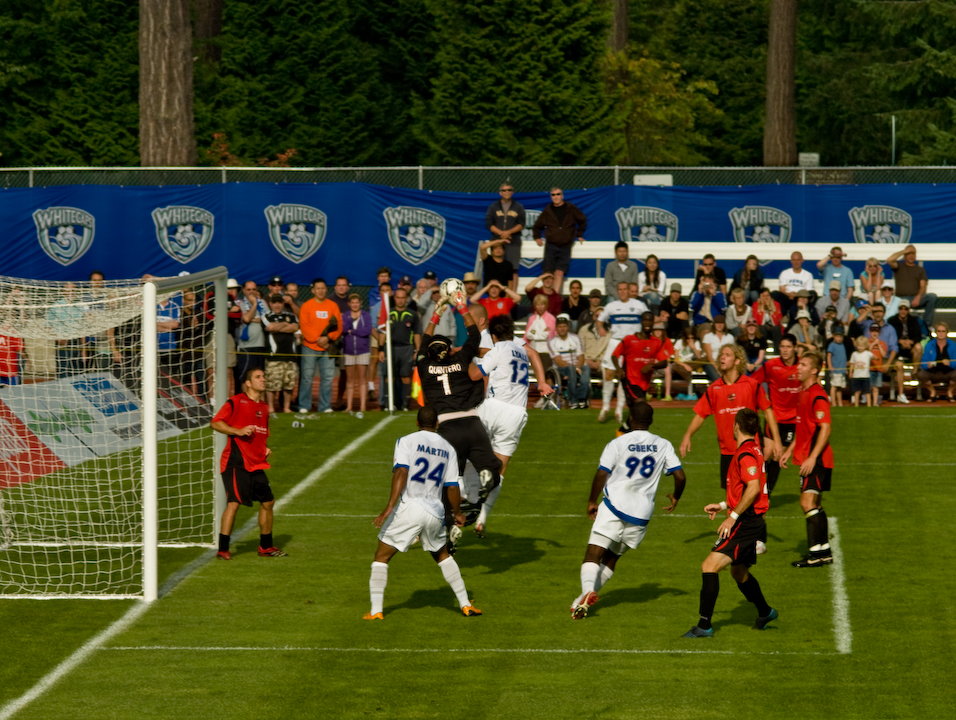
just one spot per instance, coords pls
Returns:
(712, 343)
(652, 284)
(567, 355)
(792, 281)
(738, 312)
(889, 299)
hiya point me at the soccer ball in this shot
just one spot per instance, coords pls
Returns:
(451, 289)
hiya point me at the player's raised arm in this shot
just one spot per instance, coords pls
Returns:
(399, 479)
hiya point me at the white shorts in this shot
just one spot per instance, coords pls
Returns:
(504, 423)
(410, 520)
(838, 380)
(614, 534)
(611, 347)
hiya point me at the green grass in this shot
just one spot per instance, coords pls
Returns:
(264, 638)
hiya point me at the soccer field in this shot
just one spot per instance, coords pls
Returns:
(870, 637)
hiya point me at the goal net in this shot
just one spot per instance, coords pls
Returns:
(103, 386)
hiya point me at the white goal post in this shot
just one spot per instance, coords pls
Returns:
(107, 389)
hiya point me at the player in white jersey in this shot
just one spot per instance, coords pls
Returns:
(629, 472)
(624, 317)
(425, 472)
(504, 411)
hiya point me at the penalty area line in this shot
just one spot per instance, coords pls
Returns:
(135, 612)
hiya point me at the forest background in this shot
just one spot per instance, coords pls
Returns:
(471, 82)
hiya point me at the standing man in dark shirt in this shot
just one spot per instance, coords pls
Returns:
(282, 362)
(911, 282)
(406, 332)
(675, 311)
(560, 223)
(340, 296)
(505, 220)
(909, 337)
(495, 265)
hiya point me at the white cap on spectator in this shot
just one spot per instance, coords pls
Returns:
(231, 283)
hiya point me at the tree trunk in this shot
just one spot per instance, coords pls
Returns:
(208, 27)
(166, 126)
(618, 38)
(780, 128)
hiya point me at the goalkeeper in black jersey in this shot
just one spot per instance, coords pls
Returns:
(448, 388)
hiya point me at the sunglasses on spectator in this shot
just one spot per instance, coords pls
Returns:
(507, 189)
(707, 264)
(556, 194)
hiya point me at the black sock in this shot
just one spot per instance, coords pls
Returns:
(751, 590)
(773, 472)
(265, 541)
(709, 588)
(223, 543)
(817, 529)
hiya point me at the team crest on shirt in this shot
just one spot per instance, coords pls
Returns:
(415, 233)
(760, 224)
(732, 397)
(820, 414)
(640, 223)
(65, 233)
(183, 231)
(886, 224)
(296, 231)
(527, 235)
(752, 470)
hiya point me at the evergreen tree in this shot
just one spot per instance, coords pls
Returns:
(517, 83)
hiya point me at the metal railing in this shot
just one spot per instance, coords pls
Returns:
(474, 179)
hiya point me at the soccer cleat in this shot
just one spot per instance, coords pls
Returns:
(814, 560)
(762, 622)
(224, 555)
(470, 611)
(480, 530)
(602, 416)
(272, 552)
(761, 547)
(697, 632)
(580, 611)
(376, 616)
(470, 511)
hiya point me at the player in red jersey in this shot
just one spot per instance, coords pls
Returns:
(638, 356)
(732, 391)
(780, 374)
(811, 449)
(747, 502)
(244, 419)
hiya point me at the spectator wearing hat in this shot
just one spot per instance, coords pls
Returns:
(675, 312)
(559, 225)
(938, 364)
(836, 365)
(833, 268)
(802, 302)
(431, 277)
(712, 343)
(754, 344)
(911, 283)
(707, 302)
(909, 339)
(472, 281)
(275, 287)
(505, 219)
(749, 278)
(591, 312)
(802, 329)
(652, 284)
(841, 306)
(768, 315)
(793, 280)
(620, 269)
(405, 283)
(825, 328)
(872, 280)
(548, 282)
(499, 299)
(282, 367)
(889, 299)
(494, 264)
(574, 304)
(567, 354)
(738, 312)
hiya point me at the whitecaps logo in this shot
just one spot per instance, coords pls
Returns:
(764, 224)
(296, 231)
(527, 235)
(408, 231)
(887, 224)
(183, 231)
(65, 233)
(652, 224)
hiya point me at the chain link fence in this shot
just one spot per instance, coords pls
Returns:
(479, 179)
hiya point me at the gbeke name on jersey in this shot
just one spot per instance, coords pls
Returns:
(438, 452)
(642, 448)
(442, 369)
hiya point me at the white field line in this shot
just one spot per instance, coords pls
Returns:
(134, 613)
(475, 651)
(578, 516)
(841, 602)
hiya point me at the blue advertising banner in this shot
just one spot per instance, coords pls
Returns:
(303, 231)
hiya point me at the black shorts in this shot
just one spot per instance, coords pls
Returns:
(403, 357)
(818, 481)
(787, 433)
(246, 487)
(724, 469)
(470, 440)
(741, 545)
(634, 392)
(557, 258)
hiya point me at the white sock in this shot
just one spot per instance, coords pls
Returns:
(589, 576)
(607, 392)
(620, 399)
(603, 577)
(376, 585)
(489, 504)
(449, 568)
